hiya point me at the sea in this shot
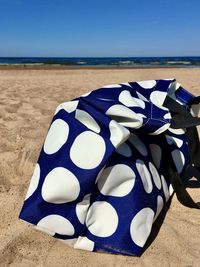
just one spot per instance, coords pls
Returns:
(126, 62)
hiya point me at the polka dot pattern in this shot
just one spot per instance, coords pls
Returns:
(34, 181)
(139, 145)
(56, 137)
(160, 204)
(82, 207)
(124, 150)
(147, 84)
(67, 106)
(141, 96)
(155, 175)
(179, 159)
(118, 133)
(102, 219)
(145, 175)
(127, 84)
(57, 223)
(158, 98)
(176, 131)
(129, 101)
(171, 190)
(125, 116)
(141, 226)
(84, 243)
(101, 178)
(117, 180)
(86, 94)
(174, 140)
(167, 116)
(112, 86)
(156, 154)
(87, 120)
(88, 157)
(161, 129)
(60, 186)
(165, 187)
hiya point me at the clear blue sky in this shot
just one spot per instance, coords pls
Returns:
(99, 28)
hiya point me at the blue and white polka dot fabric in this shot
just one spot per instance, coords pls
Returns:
(101, 181)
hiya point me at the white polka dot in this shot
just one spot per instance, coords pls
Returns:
(56, 223)
(167, 116)
(147, 84)
(34, 181)
(174, 85)
(99, 174)
(102, 219)
(126, 98)
(155, 175)
(117, 180)
(141, 226)
(158, 98)
(141, 115)
(156, 154)
(145, 175)
(173, 140)
(179, 159)
(82, 207)
(86, 94)
(112, 86)
(60, 186)
(171, 189)
(165, 187)
(56, 137)
(169, 79)
(161, 129)
(177, 131)
(69, 106)
(136, 141)
(84, 243)
(127, 84)
(159, 206)
(141, 97)
(124, 150)
(86, 119)
(45, 230)
(87, 150)
(125, 116)
(118, 133)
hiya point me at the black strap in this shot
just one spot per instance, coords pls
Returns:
(180, 189)
(193, 145)
(182, 118)
(194, 101)
(179, 184)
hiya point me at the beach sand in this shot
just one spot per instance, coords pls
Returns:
(28, 99)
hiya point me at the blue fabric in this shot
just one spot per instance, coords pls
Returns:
(101, 178)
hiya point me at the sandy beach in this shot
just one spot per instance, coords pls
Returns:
(28, 99)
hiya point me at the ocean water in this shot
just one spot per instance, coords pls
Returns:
(105, 61)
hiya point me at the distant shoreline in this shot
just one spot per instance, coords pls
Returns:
(92, 67)
(99, 63)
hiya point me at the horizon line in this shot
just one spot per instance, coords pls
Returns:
(92, 56)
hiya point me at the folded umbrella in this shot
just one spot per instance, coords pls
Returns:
(111, 161)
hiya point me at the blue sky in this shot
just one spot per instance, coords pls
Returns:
(99, 28)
